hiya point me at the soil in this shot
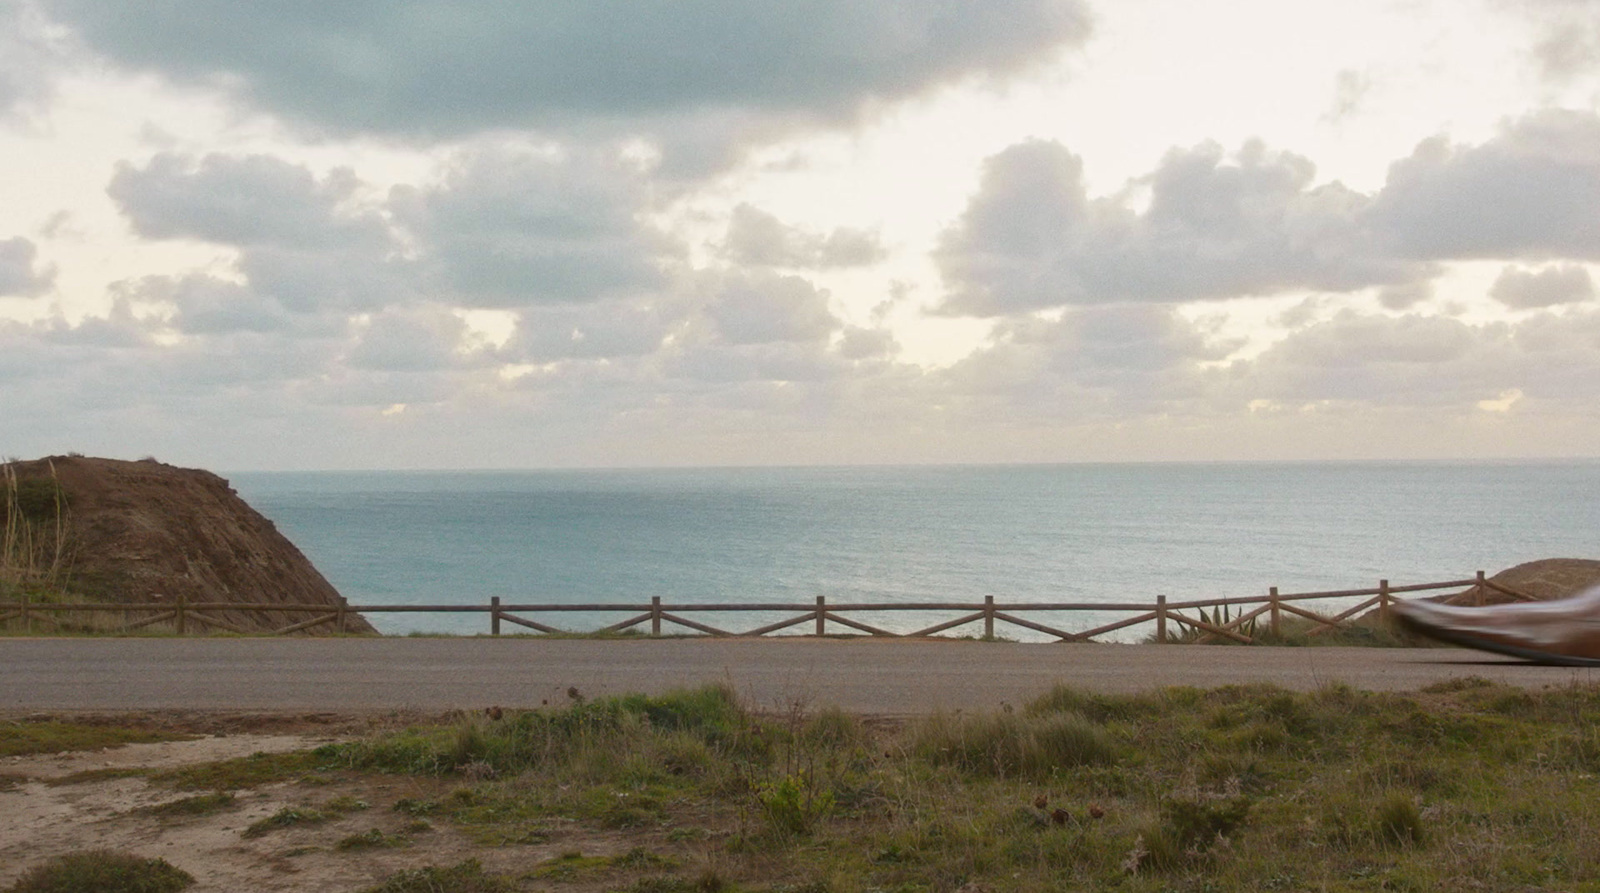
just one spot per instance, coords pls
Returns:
(39, 820)
(147, 532)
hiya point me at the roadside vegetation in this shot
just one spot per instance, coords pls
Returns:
(1465, 785)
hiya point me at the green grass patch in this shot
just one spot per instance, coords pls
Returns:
(102, 871)
(25, 738)
(1243, 787)
(245, 772)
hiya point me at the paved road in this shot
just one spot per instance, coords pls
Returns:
(354, 675)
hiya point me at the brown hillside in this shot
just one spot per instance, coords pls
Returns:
(1545, 579)
(149, 532)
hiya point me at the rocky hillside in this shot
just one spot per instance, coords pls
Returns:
(149, 532)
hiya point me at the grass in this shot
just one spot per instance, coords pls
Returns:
(26, 738)
(102, 871)
(1244, 787)
(246, 772)
(191, 807)
(36, 545)
(463, 877)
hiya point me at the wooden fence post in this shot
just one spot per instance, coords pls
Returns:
(1383, 601)
(182, 614)
(494, 615)
(27, 621)
(821, 603)
(988, 617)
(1272, 596)
(1161, 620)
(655, 615)
(1478, 590)
(340, 612)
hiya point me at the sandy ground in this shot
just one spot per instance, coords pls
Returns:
(39, 820)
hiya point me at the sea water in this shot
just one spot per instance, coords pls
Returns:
(1101, 532)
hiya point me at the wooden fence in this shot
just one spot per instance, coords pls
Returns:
(1199, 620)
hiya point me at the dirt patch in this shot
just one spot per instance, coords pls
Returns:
(42, 817)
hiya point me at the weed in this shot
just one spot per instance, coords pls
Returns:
(370, 839)
(793, 805)
(286, 817)
(416, 807)
(102, 871)
(463, 877)
(1008, 744)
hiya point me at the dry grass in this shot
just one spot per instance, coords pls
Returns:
(35, 542)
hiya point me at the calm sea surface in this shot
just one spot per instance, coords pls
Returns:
(1019, 533)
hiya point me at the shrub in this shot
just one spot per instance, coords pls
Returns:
(1399, 822)
(793, 805)
(102, 871)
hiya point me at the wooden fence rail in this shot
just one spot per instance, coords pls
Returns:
(1195, 620)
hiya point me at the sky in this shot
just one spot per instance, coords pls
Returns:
(578, 233)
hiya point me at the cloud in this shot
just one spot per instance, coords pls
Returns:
(1405, 296)
(761, 308)
(304, 244)
(1532, 192)
(20, 274)
(28, 60)
(247, 201)
(207, 305)
(1416, 361)
(1255, 223)
(757, 238)
(412, 339)
(609, 330)
(510, 227)
(435, 68)
(1094, 362)
(1349, 90)
(1215, 228)
(1568, 43)
(1522, 289)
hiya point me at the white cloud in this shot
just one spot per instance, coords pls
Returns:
(765, 308)
(20, 273)
(1532, 192)
(1214, 228)
(756, 238)
(1548, 287)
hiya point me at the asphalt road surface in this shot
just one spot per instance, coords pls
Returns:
(879, 677)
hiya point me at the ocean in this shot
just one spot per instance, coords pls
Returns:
(1035, 533)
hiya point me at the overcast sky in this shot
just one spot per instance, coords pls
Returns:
(499, 234)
